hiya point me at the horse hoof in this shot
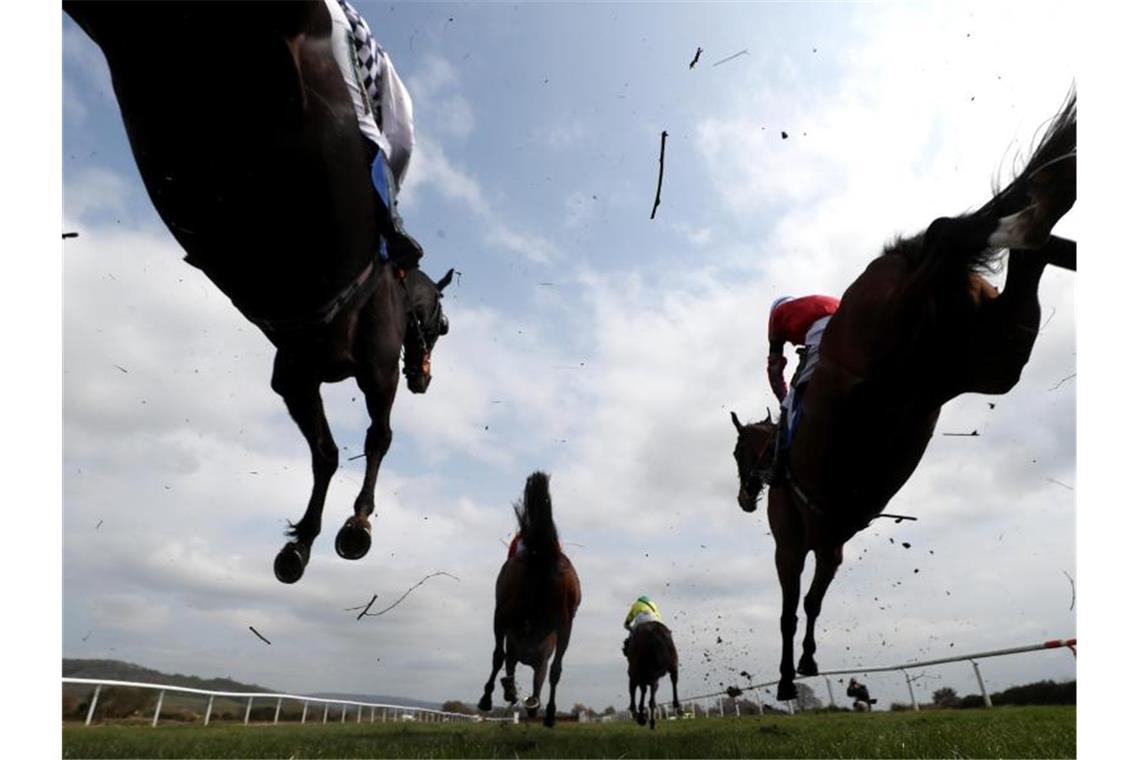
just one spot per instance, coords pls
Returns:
(531, 703)
(531, 712)
(642, 718)
(807, 667)
(548, 721)
(290, 563)
(353, 540)
(785, 691)
(485, 703)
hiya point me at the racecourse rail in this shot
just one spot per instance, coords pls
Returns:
(1071, 644)
(395, 711)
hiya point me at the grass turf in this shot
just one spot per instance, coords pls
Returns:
(1007, 732)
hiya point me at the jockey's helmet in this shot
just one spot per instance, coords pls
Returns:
(779, 301)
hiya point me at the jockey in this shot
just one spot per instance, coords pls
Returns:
(801, 322)
(859, 693)
(642, 611)
(384, 116)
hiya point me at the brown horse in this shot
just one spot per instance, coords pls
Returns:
(917, 328)
(536, 596)
(247, 143)
(651, 654)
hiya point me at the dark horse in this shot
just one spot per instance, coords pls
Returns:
(536, 596)
(651, 655)
(917, 328)
(246, 140)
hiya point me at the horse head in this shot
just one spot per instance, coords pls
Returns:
(426, 323)
(755, 447)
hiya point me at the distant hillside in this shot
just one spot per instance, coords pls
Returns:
(116, 670)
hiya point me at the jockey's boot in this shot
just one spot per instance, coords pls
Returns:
(402, 249)
(779, 463)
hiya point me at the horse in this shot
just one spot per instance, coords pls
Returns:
(918, 327)
(651, 654)
(247, 142)
(536, 596)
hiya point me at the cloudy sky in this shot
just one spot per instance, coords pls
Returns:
(587, 340)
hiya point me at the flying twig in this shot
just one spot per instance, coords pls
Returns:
(258, 635)
(660, 175)
(965, 435)
(1074, 587)
(402, 597)
(734, 55)
(897, 518)
(67, 235)
(1063, 485)
(1042, 328)
(1062, 381)
(358, 456)
(696, 58)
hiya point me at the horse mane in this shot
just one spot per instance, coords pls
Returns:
(536, 519)
(1057, 141)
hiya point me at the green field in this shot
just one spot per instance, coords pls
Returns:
(1005, 732)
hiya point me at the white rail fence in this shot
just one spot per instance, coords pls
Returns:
(387, 712)
(702, 699)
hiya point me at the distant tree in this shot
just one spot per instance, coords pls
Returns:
(806, 698)
(972, 700)
(946, 697)
(457, 706)
(609, 710)
(581, 708)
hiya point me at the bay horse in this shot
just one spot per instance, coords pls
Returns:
(651, 655)
(536, 596)
(247, 142)
(918, 327)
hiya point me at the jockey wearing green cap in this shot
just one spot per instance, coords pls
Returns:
(642, 611)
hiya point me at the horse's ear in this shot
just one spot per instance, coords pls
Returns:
(769, 414)
(736, 422)
(443, 283)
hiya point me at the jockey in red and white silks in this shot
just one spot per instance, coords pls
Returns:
(801, 322)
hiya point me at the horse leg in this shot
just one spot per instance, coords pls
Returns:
(826, 563)
(673, 678)
(790, 553)
(300, 390)
(535, 699)
(653, 703)
(510, 691)
(496, 663)
(379, 388)
(641, 716)
(632, 697)
(563, 641)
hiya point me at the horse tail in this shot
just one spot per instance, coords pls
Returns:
(536, 519)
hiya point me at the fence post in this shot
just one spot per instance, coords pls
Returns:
(343, 710)
(913, 701)
(373, 718)
(791, 707)
(277, 712)
(248, 707)
(326, 718)
(158, 708)
(305, 711)
(830, 694)
(359, 708)
(383, 714)
(982, 684)
(209, 709)
(737, 706)
(91, 707)
(516, 720)
(720, 701)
